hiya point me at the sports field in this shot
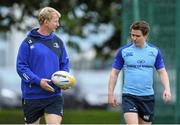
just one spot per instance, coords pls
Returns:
(14, 116)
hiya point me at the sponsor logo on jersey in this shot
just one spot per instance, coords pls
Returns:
(29, 41)
(129, 54)
(139, 66)
(141, 61)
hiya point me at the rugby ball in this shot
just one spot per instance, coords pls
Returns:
(63, 79)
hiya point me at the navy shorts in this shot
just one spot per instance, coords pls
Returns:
(35, 108)
(143, 105)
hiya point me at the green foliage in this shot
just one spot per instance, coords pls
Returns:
(94, 12)
(15, 116)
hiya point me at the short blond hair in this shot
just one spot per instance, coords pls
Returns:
(46, 14)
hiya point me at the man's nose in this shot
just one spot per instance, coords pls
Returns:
(58, 24)
(134, 38)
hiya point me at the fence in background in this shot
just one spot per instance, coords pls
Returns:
(164, 19)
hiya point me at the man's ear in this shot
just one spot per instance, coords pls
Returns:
(146, 36)
(45, 21)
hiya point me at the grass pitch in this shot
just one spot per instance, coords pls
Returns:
(15, 116)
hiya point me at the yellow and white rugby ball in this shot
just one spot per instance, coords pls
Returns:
(63, 79)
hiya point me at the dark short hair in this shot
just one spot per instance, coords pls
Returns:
(143, 26)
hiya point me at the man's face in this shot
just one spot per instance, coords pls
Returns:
(137, 37)
(53, 24)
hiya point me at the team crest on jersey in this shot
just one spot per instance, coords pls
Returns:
(32, 47)
(151, 53)
(56, 45)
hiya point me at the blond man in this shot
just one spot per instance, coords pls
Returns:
(40, 55)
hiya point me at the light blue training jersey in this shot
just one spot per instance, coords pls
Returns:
(138, 65)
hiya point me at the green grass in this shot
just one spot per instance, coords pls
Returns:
(11, 116)
(14, 116)
(91, 117)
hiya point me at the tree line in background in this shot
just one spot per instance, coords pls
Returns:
(75, 15)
